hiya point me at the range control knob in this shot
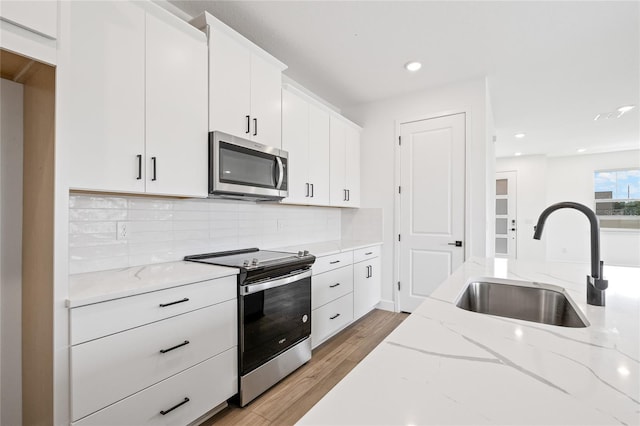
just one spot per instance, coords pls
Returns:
(255, 262)
(245, 263)
(300, 253)
(306, 253)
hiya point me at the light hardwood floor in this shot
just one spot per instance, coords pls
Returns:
(285, 403)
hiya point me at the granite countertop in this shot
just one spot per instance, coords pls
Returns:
(326, 248)
(94, 287)
(445, 365)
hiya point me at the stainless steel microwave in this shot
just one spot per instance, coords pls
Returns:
(243, 169)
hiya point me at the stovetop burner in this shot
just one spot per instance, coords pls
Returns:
(256, 264)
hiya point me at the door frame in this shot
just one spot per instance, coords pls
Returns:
(466, 110)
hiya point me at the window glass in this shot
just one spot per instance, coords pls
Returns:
(617, 198)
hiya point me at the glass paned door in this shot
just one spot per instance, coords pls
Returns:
(506, 229)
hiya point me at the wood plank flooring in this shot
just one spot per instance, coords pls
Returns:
(285, 403)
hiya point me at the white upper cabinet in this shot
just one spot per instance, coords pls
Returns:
(229, 88)
(266, 102)
(345, 163)
(352, 165)
(138, 104)
(176, 108)
(319, 155)
(244, 85)
(305, 135)
(295, 140)
(107, 60)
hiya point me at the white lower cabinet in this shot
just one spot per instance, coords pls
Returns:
(153, 361)
(366, 286)
(331, 318)
(178, 400)
(331, 285)
(344, 287)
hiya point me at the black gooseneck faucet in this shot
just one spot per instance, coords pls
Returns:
(596, 284)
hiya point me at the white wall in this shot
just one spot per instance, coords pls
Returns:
(543, 181)
(567, 234)
(11, 128)
(379, 139)
(107, 232)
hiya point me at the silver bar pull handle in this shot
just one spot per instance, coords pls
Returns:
(280, 172)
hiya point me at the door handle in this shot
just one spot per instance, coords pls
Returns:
(348, 195)
(457, 244)
(311, 190)
(255, 127)
(307, 189)
(139, 167)
(153, 160)
(248, 124)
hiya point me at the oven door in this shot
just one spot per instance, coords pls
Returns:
(274, 316)
(240, 166)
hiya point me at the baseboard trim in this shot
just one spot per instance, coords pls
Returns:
(386, 305)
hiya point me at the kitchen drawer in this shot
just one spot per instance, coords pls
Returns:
(106, 370)
(207, 385)
(101, 319)
(327, 263)
(330, 318)
(331, 285)
(366, 253)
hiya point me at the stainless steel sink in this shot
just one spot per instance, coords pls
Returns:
(543, 303)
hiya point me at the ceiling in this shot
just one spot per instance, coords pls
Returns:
(551, 66)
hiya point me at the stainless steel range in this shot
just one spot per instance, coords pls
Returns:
(274, 314)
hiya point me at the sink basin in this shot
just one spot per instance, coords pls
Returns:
(542, 303)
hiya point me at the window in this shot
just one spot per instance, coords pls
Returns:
(617, 198)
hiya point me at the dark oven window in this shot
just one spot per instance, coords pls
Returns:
(247, 167)
(274, 320)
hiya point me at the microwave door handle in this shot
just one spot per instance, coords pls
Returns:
(280, 172)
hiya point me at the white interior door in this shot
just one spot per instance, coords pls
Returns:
(506, 226)
(432, 178)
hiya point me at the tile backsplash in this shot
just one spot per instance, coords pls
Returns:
(108, 232)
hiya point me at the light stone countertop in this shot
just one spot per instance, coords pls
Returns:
(327, 248)
(94, 287)
(445, 365)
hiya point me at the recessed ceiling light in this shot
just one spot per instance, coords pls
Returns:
(626, 108)
(582, 149)
(519, 135)
(518, 154)
(597, 117)
(413, 66)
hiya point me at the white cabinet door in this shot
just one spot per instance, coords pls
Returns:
(176, 107)
(318, 156)
(107, 101)
(366, 286)
(295, 140)
(41, 17)
(352, 166)
(229, 85)
(205, 386)
(266, 102)
(337, 183)
(327, 320)
(106, 370)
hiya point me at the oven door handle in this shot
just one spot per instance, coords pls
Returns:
(287, 279)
